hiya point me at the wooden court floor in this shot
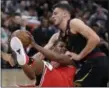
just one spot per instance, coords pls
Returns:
(13, 77)
(10, 78)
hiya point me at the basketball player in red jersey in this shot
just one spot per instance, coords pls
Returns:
(58, 73)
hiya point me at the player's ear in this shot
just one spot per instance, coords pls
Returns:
(64, 13)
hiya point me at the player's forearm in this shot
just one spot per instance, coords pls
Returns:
(91, 44)
(61, 58)
(39, 55)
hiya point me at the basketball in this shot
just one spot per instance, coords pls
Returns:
(24, 36)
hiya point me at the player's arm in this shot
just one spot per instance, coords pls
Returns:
(53, 56)
(92, 38)
(47, 46)
(8, 58)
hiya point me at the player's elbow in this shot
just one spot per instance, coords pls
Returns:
(96, 39)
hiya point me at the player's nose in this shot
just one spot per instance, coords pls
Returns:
(52, 17)
(64, 49)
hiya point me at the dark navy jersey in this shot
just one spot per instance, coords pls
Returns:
(74, 42)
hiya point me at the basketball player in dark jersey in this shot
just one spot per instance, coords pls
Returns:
(82, 43)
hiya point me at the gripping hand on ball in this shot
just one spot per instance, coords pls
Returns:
(32, 39)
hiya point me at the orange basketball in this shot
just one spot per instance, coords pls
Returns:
(24, 36)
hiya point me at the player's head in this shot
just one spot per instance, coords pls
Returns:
(60, 47)
(61, 11)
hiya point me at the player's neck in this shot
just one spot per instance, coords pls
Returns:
(63, 24)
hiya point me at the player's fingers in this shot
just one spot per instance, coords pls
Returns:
(11, 62)
(30, 36)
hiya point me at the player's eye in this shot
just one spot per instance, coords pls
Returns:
(55, 13)
(61, 46)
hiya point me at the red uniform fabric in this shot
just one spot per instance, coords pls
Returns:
(58, 77)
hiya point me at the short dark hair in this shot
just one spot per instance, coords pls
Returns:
(56, 42)
(64, 6)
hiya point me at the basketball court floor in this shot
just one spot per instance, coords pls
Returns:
(10, 78)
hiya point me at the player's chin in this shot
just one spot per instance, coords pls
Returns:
(56, 24)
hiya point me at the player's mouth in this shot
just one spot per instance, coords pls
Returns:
(54, 21)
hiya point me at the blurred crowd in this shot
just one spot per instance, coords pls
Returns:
(34, 16)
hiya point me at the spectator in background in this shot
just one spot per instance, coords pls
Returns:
(47, 30)
(64, 1)
(43, 33)
(5, 33)
(11, 23)
(101, 32)
(98, 15)
(22, 7)
(4, 40)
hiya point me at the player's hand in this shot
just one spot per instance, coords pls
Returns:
(31, 37)
(73, 56)
(8, 58)
(33, 42)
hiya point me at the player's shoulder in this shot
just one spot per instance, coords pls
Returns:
(56, 34)
(76, 21)
(54, 37)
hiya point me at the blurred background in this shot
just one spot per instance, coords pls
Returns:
(34, 16)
